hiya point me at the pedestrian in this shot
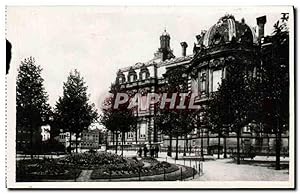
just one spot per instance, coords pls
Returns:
(145, 151)
(156, 151)
(140, 151)
(152, 151)
(169, 151)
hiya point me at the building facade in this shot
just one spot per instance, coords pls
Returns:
(224, 42)
(146, 78)
(88, 140)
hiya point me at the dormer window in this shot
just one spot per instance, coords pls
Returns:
(131, 78)
(144, 73)
(120, 80)
(120, 77)
(144, 76)
(131, 75)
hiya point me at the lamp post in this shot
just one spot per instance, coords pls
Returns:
(202, 154)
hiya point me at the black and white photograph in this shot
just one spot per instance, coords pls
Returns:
(150, 97)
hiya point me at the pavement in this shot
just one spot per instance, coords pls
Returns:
(226, 169)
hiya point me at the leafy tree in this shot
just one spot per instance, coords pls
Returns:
(73, 112)
(55, 126)
(32, 107)
(118, 120)
(219, 113)
(275, 84)
(201, 122)
(236, 102)
(172, 121)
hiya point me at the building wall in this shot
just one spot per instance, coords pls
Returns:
(24, 138)
(89, 139)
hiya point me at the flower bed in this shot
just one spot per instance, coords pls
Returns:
(37, 170)
(156, 168)
(99, 160)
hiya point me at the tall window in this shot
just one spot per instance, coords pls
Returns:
(203, 82)
(216, 79)
(144, 76)
(130, 135)
(143, 127)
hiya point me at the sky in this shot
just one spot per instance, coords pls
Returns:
(99, 40)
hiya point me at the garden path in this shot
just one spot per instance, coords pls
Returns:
(84, 176)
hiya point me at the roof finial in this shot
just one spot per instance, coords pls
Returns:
(165, 33)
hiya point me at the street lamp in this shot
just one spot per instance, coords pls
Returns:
(202, 154)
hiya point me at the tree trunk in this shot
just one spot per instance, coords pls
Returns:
(202, 145)
(136, 135)
(76, 146)
(219, 144)
(185, 146)
(122, 143)
(238, 146)
(113, 138)
(117, 138)
(176, 156)
(278, 146)
(225, 147)
(31, 144)
(70, 141)
(207, 133)
(170, 145)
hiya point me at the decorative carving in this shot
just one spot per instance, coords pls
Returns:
(194, 73)
(131, 93)
(144, 91)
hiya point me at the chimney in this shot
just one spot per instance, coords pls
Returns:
(198, 37)
(184, 45)
(243, 20)
(261, 21)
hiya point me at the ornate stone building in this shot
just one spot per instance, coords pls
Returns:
(146, 78)
(224, 42)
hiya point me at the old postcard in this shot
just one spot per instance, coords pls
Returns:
(150, 97)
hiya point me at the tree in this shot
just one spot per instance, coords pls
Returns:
(201, 120)
(32, 107)
(175, 124)
(275, 84)
(73, 112)
(240, 108)
(172, 121)
(219, 113)
(118, 120)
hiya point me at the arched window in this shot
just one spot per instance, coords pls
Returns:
(120, 77)
(131, 78)
(144, 73)
(120, 80)
(144, 76)
(131, 75)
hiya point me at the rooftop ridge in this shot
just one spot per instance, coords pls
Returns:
(138, 65)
